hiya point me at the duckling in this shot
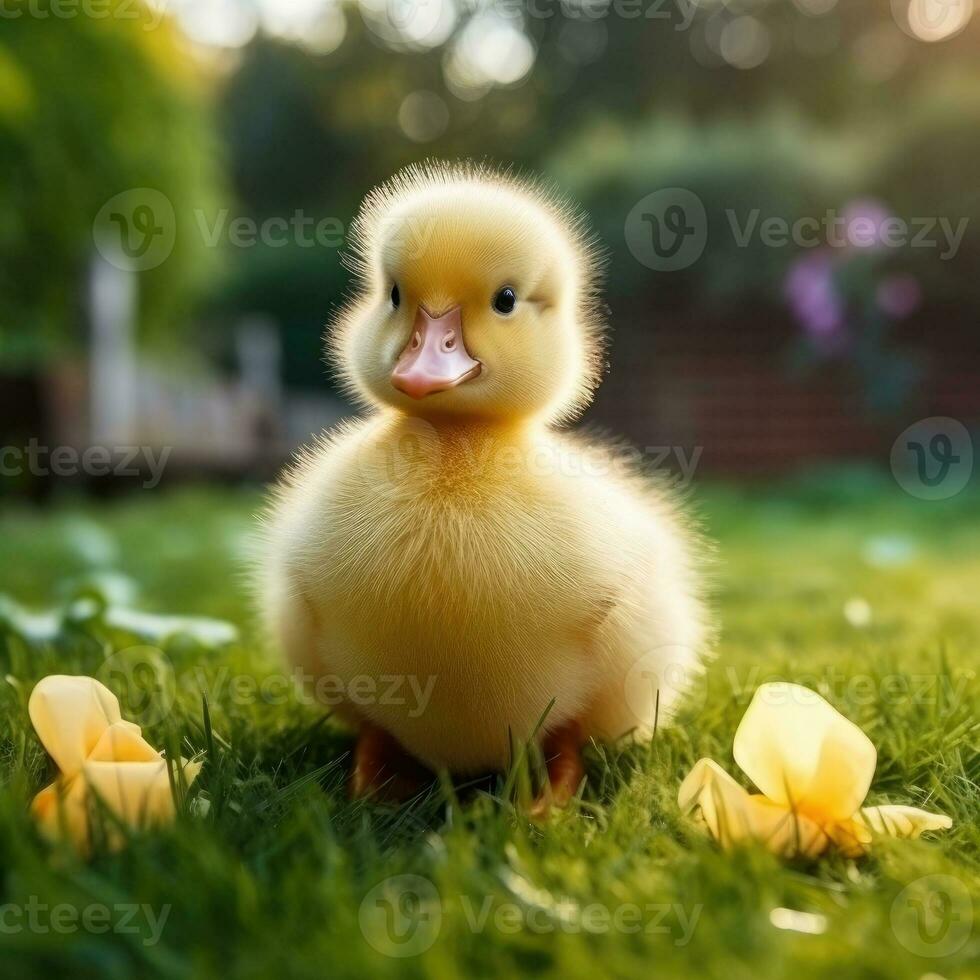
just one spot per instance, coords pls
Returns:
(457, 533)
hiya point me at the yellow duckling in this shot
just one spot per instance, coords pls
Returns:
(455, 541)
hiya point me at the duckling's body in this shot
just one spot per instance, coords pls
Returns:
(455, 536)
(442, 554)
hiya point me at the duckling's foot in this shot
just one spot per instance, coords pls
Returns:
(383, 769)
(563, 751)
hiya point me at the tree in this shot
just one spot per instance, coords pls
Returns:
(94, 102)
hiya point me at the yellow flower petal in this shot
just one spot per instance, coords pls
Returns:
(851, 837)
(802, 753)
(136, 792)
(901, 821)
(61, 811)
(45, 808)
(123, 742)
(70, 715)
(711, 795)
(102, 758)
(786, 833)
(732, 815)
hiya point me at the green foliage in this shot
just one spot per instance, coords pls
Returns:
(620, 103)
(623, 101)
(271, 875)
(928, 170)
(91, 107)
(743, 173)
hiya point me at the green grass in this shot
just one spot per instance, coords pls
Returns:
(267, 871)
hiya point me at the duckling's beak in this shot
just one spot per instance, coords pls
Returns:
(436, 357)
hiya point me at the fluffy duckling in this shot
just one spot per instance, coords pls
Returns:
(455, 537)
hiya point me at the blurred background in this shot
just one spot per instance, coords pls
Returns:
(785, 189)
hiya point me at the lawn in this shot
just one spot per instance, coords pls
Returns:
(838, 581)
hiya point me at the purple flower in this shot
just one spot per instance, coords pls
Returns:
(814, 298)
(864, 222)
(899, 296)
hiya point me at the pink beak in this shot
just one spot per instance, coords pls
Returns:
(436, 357)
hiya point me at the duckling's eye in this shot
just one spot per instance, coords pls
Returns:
(396, 297)
(505, 300)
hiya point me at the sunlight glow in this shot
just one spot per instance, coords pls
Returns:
(937, 20)
(218, 23)
(317, 25)
(410, 23)
(490, 51)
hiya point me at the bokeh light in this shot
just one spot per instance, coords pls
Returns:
(218, 23)
(745, 42)
(490, 50)
(413, 24)
(423, 116)
(317, 25)
(815, 8)
(880, 52)
(937, 20)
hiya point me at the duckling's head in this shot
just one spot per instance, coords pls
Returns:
(477, 300)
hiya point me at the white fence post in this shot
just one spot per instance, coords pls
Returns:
(113, 296)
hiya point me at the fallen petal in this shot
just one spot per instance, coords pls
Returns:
(801, 752)
(138, 793)
(901, 821)
(851, 837)
(70, 715)
(62, 813)
(123, 742)
(732, 815)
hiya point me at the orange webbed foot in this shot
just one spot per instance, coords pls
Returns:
(562, 750)
(383, 769)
